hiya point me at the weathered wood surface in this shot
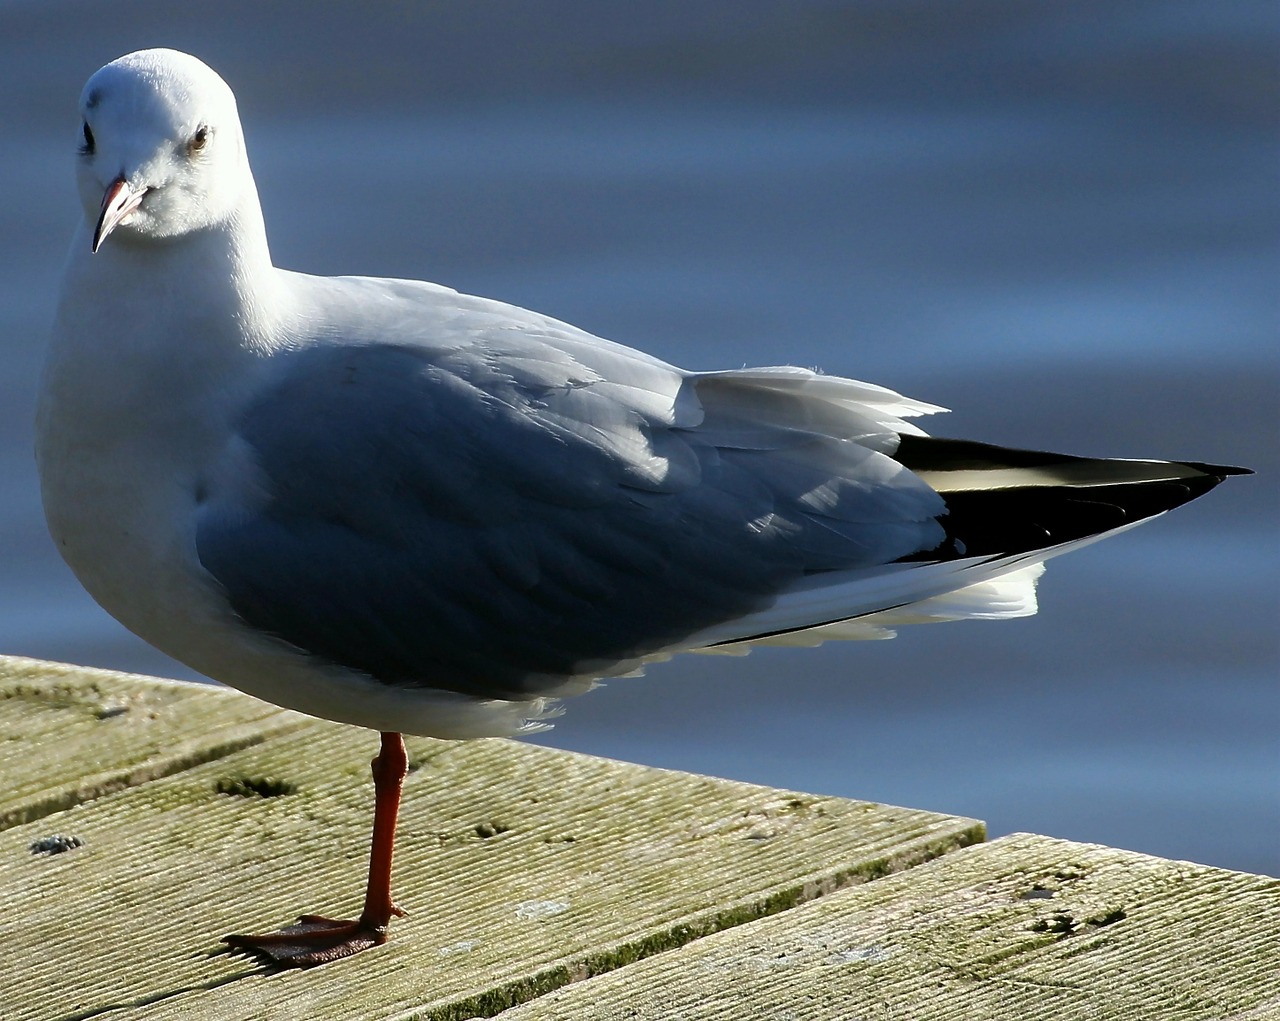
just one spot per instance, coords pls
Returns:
(1024, 927)
(58, 746)
(522, 868)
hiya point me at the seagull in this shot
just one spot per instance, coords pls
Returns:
(403, 508)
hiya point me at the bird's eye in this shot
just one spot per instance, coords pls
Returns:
(87, 146)
(199, 140)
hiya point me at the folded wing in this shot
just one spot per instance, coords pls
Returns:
(524, 508)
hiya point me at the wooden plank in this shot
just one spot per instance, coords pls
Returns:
(68, 735)
(1023, 927)
(522, 868)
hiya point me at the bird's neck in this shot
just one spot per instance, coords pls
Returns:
(206, 294)
(153, 339)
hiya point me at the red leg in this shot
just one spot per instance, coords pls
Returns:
(315, 939)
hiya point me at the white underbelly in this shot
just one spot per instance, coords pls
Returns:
(128, 533)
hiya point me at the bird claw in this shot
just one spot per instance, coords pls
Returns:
(312, 940)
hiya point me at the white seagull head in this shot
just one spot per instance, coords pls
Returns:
(161, 149)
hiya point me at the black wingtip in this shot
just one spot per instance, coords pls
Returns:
(991, 512)
(1220, 471)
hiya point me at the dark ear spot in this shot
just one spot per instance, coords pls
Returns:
(92, 100)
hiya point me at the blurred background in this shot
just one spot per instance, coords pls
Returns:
(1060, 220)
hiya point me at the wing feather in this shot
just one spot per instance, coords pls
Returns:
(498, 513)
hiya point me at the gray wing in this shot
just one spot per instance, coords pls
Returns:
(495, 519)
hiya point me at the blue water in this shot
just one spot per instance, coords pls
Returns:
(1059, 220)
